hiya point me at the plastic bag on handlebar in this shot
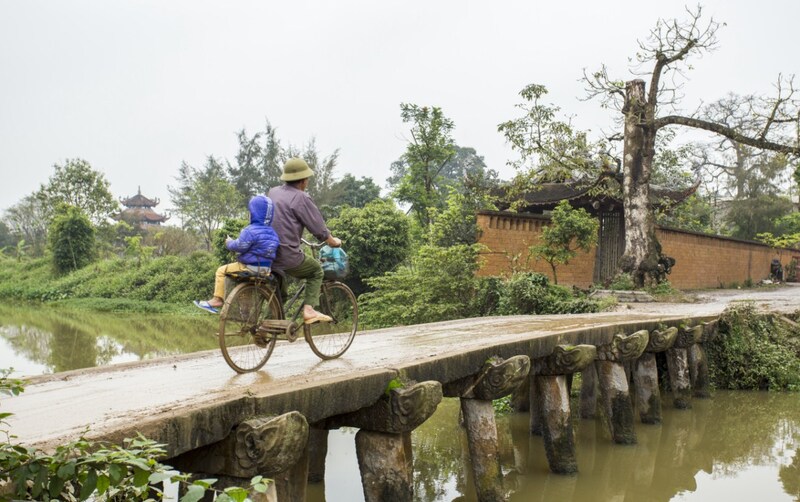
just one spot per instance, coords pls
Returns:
(334, 261)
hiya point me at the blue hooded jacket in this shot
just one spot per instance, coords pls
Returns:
(258, 242)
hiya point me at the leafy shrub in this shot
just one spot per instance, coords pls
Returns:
(71, 240)
(232, 227)
(622, 282)
(438, 285)
(754, 351)
(532, 293)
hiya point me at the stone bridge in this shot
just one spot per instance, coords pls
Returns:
(273, 421)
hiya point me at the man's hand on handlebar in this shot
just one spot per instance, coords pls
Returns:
(333, 242)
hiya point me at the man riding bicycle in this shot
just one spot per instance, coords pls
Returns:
(295, 211)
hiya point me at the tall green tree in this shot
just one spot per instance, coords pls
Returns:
(428, 151)
(258, 162)
(569, 230)
(204, 198)
(71, 239)
(76, 184)
(375, 237)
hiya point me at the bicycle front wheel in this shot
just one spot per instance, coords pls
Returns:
(244, 346)
(330, 340)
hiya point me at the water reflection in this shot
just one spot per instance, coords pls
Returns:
(47, 340)
(737, 445)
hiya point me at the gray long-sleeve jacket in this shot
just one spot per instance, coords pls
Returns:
(294, 211)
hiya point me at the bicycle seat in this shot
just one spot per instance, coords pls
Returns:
(252, 272)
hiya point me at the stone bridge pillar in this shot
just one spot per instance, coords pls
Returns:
(548, 377)
(496, 379)
(383, 443)
(698, 362)
(273, 447)
(678, 365)
(614, 390)
(645, 375)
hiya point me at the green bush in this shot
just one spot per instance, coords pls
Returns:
(71, 240)
(532, 293)
(754, 351)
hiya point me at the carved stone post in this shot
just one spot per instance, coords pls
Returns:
(534, 398)
(614, 384)
(589, 391)
(549, 378)
(496, 379)
(274, 447)
(382, 441)
(645, 375)
(698, 362)
(678, 366)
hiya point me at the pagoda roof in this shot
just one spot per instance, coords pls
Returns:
(140, 214)
(139, 200)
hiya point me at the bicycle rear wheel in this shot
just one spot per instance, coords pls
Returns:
(244, 346)
(330, 340)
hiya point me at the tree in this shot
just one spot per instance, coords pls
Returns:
(569, 230)
(28, 220)
(427, 154)
(77, 184)
(457, 224)
(321, 186)
(258, 163)
(642, 114)
(204, 198)
(734, 170)
(375, 237)
(750, 217)
(354, 192)
(71, 239)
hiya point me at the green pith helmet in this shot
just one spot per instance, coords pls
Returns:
(296, 169)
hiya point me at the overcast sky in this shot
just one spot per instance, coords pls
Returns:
(137, 87)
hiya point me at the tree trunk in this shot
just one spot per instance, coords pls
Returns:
(641, 250)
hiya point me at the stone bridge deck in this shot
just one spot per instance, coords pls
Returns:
(193, 400)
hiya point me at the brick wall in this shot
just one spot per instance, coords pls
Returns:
(702, 261)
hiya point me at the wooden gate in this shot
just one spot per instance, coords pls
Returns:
(610, 246)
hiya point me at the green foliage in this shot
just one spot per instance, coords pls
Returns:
(258, 164)
(550, 149)
(353, 192)
(695, 214)
(622, 282)
(375, 237)
(77, 184)
(456, 224)
(754, 351)
(569, 230)
(439, 284)
(750, 217)
(169, 279)
(503, 406)
(169, 240)
(71, 239)
(85, 470)
(134, 249)
(205, 198)
(532, 293)
(428, 152)
(230, 227)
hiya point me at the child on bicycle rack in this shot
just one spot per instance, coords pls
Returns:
(256, 246)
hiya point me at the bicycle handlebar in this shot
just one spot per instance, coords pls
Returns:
(312, 245)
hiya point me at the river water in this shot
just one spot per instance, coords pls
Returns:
(736, 446)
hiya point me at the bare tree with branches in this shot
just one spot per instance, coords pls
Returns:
(645, 111)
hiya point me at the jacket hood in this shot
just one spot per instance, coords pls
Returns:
(261, 210)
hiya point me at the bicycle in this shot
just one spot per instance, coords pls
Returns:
(252, 319)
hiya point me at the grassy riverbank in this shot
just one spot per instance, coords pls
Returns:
(159, 285)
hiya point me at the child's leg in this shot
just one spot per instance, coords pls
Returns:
(219, 280)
